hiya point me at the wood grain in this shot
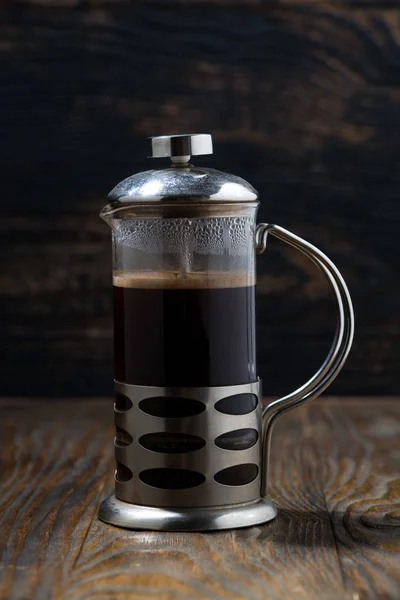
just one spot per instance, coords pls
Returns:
(57, 458)
(334, 478)
(217, 3)
(285, 103)
(303, 101)
(53, 461)
(360, 453)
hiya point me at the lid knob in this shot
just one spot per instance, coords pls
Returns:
(180, 147)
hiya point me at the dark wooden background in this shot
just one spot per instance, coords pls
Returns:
(303, 100)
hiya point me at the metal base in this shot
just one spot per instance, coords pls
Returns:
(133, 516)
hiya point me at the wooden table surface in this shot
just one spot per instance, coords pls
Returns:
(335, 479)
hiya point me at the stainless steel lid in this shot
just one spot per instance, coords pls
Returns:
(182, 181)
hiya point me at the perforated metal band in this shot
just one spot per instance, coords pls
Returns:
(133, 423)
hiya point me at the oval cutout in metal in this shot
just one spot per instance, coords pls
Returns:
(240, 404)
(171, 443)
(171, 407)
(122, 438)
(240, 439)
(122, 402)
(172, 479)
(123, 473)
(237, 475)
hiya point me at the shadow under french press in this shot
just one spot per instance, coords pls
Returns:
(294, 528)
(319, 529)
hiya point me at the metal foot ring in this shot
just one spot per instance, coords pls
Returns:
(133, 516)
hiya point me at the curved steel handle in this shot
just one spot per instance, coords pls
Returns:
(340, 347)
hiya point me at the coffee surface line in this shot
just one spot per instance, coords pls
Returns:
(179, 281)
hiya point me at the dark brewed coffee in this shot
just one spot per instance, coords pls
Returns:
(195, 331)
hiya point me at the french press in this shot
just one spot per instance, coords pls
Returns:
(192, 441)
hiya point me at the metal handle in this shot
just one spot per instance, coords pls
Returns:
(340, 347)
